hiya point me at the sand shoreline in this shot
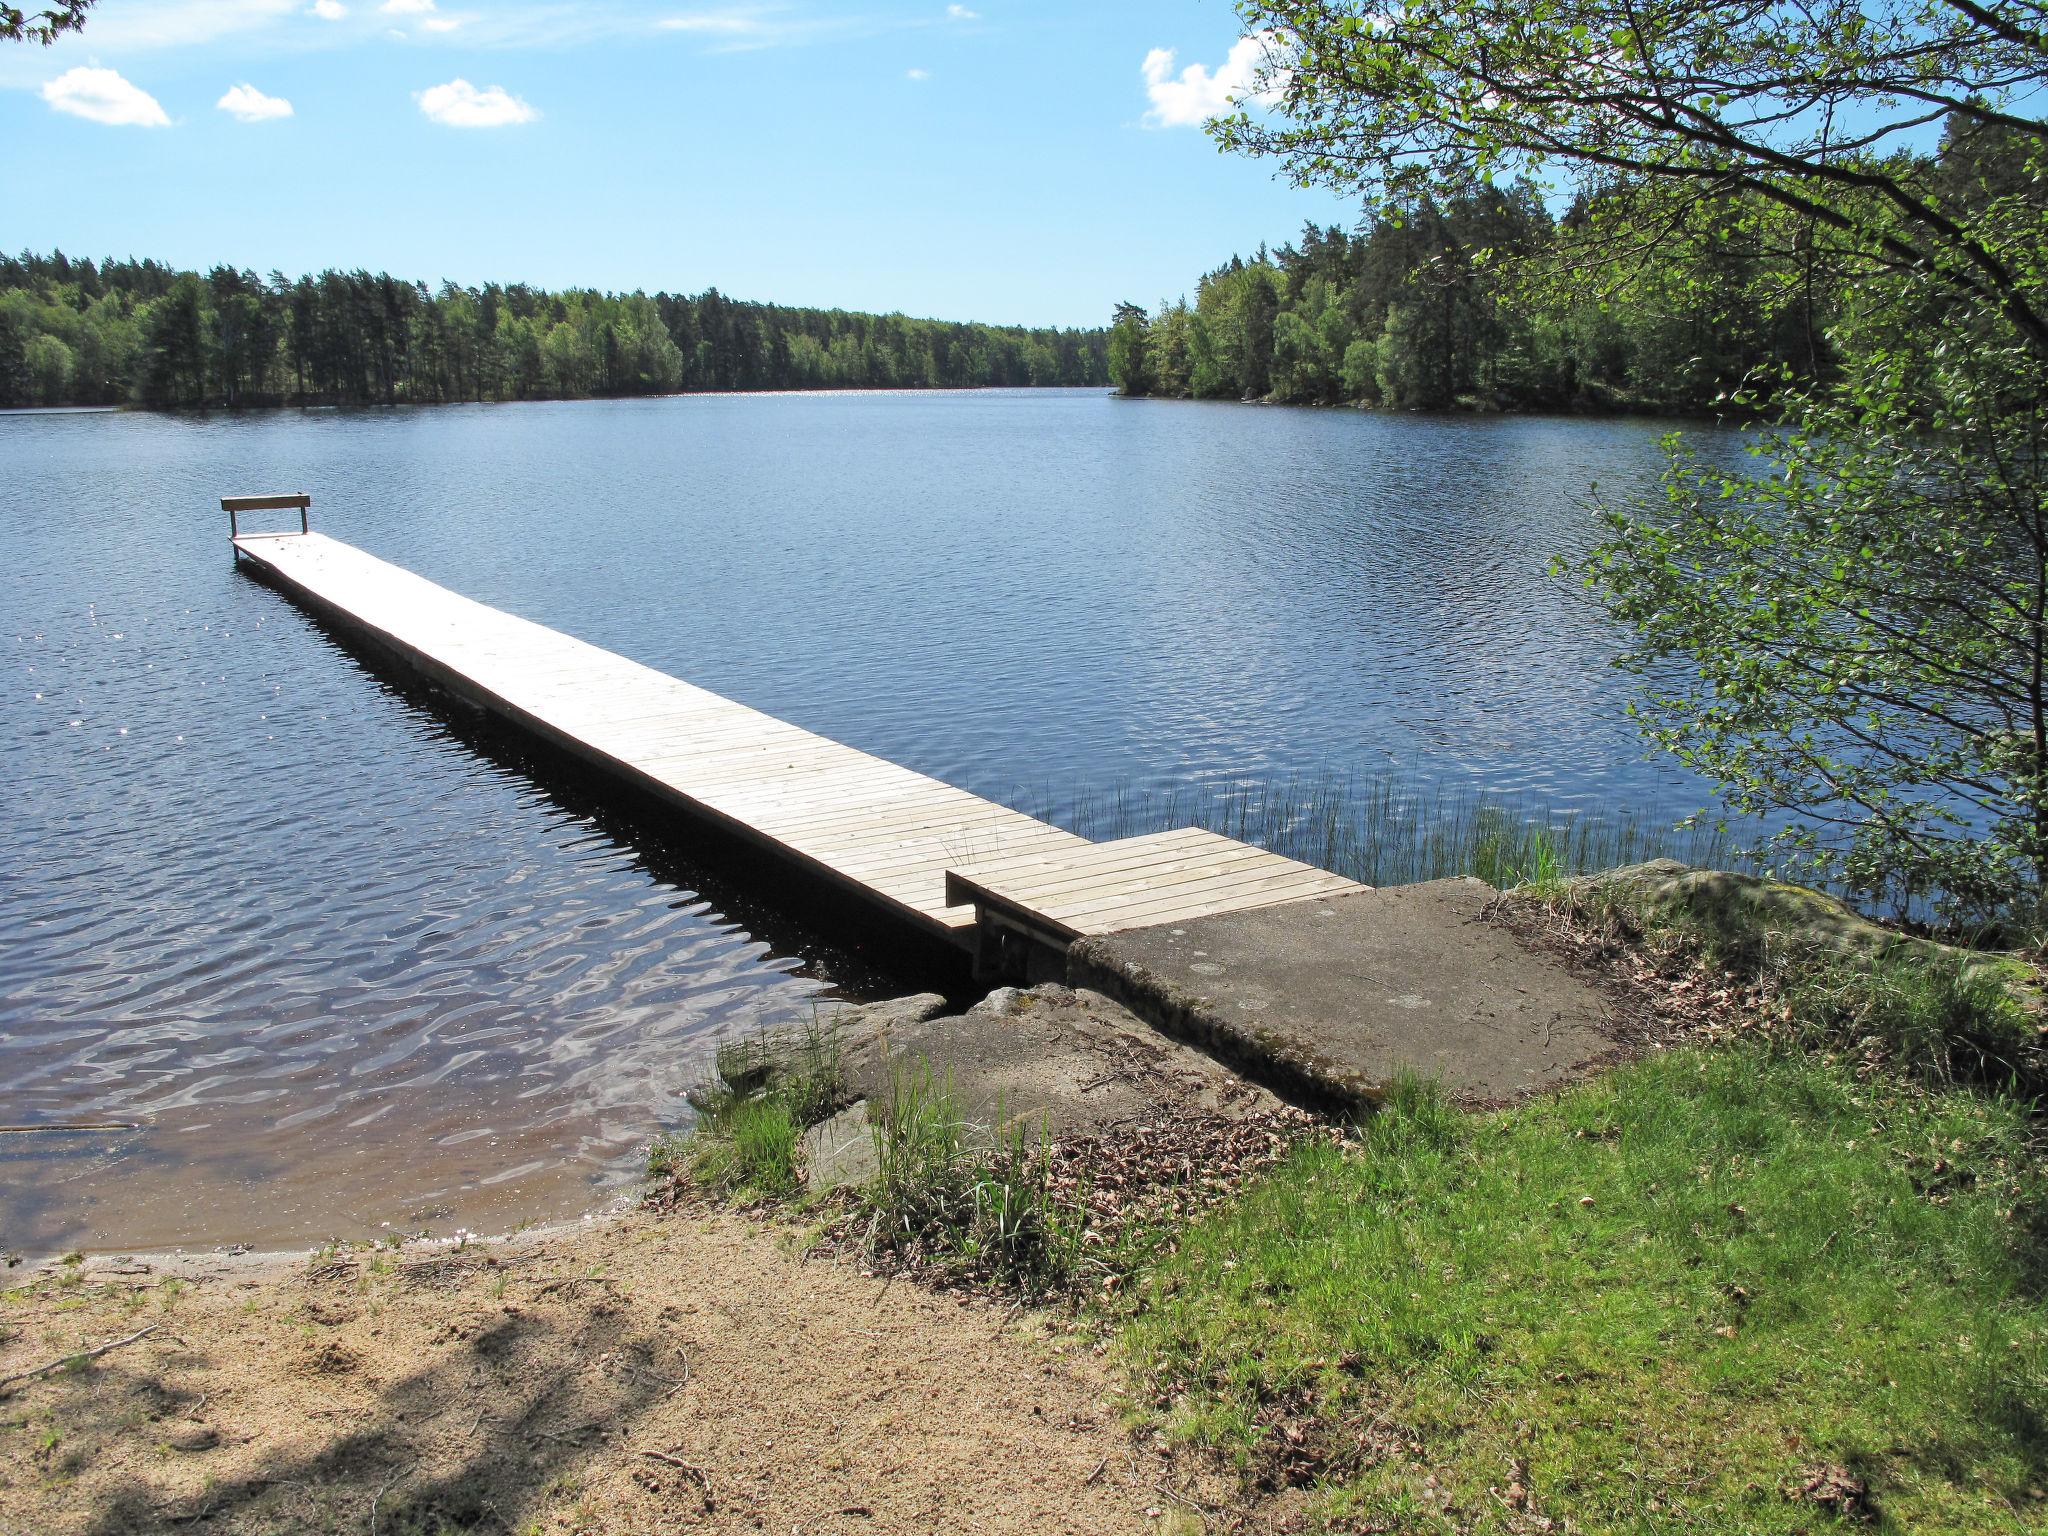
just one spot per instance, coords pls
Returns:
(689, 1368)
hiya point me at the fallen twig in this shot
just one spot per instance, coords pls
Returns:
(9, 1382)
(380, 1496)
(703, 1477)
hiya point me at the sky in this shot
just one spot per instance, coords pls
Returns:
(1013, 161)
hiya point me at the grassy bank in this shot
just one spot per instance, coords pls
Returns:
(1727, 1289)
(1789, 1273)
(950, 1200)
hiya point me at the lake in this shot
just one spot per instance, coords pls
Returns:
(346, 959)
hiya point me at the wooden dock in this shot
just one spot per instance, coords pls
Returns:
(952, 865)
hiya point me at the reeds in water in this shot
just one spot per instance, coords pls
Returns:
(1379, 831)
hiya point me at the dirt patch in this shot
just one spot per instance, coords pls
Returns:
(687, 1370)
(1660, 993)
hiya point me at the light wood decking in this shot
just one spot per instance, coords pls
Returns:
(919, 849)
(1137, 882)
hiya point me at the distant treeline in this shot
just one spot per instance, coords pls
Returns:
(1435, 309)
(115, 332)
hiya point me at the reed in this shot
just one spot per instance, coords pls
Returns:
(1379, 830)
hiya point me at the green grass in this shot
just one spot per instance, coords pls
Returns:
(751, 1151)
(751, 1116)
(965, 1201)
(1654, 1303)
(1382, 831)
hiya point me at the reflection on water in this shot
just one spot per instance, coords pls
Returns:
(344, 961)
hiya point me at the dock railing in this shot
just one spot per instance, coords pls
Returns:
(235, 506)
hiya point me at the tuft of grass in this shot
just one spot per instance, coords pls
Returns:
(1950, 1017)
(1729, 1289)
(751, 1116)
(968, 1201)
(753, 1150)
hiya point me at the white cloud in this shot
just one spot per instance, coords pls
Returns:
(458, 104)
(406, 7)
(742, 28)
(252, 106)
(961, 13)
(917, 74)
(716, 23)
(327, 10)
(1195, 95)
(102, 96)
(441, 23)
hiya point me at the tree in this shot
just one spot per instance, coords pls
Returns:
(1856, 632)
(45, 26)
(1861, 636)
(1805, 107)
(1130, 368)
(359, 338)
(49, 362)
(175, 347)
(17, 383)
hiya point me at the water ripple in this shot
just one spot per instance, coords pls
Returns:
(348, 961)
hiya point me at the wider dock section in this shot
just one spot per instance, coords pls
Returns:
(870, 828)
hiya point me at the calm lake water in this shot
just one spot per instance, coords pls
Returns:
(348, 960)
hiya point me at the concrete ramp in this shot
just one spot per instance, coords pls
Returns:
(1325, 1000)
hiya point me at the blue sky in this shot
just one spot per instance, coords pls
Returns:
(1004, 160)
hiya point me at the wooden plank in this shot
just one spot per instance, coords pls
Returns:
(932, 853)
(1137, 882)
(1131, 855)
(1052, 883)
(1110, 915)
(1133, 891)
(1113, 854)
(294, 500)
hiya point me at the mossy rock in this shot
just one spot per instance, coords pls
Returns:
(1750, 920)
(1962, 1013)
(1743, 915)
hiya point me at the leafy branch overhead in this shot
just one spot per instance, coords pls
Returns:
(1814, 108)
(45, 27)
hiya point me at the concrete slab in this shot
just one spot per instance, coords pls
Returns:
(1326, 1000)
(1073, 1057)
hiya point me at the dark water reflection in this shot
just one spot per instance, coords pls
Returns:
(347, 961)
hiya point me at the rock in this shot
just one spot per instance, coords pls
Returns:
(840, 1152)
(1071, 1058)
(1743, 913)
(749, 1065)
(860, 1021)
(1751, 919)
